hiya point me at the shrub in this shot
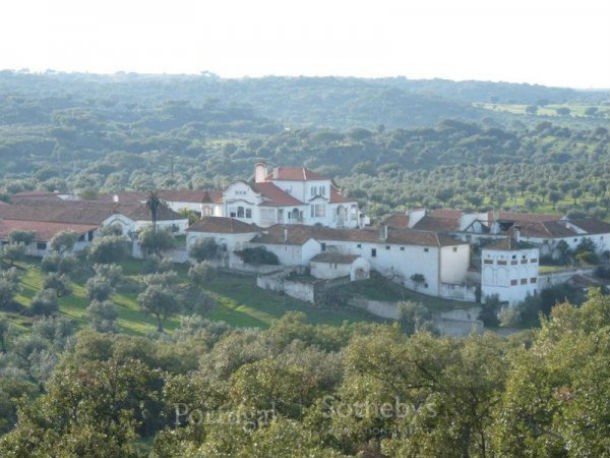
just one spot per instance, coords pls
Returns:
(203, 249)
(45, 303)
(258, 256)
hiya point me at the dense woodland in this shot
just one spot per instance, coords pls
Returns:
(92, 134)
(75, 383)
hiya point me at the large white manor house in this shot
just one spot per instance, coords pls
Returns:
(289, 195)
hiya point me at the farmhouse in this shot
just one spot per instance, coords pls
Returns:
(47, 217)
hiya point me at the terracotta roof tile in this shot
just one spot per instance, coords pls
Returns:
(450, 213)
(222, 225)
(550, 229)
(336, 197)
(299, 234)
(44, 230)
(438, 224)
(524, 217)
(591, 225)
(82, 212)
(274, 196)
(397, 220)
(294, 174)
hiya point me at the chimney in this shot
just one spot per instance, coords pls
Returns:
(383, 232)
(517, 233)
(260, 172)
(115, 198)
(285, 235)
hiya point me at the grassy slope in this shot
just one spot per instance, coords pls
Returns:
(240, 303)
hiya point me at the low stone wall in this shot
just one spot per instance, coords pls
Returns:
(458, 292)
(555, 278)
(458, 328)
(381, 309)
(277, 282)
(457, 323)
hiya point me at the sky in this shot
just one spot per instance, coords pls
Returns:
(555, 43)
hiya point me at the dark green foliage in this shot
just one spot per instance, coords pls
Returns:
(25, 237)
(155, 241)
(59, 283)
(109, 249)
(99, 288)
(258, 256)
(103, 316)
(489, 312)
(45, 303)
(63, 242)
(204, 249)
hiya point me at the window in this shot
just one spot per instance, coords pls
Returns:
(359, 245)
(387, 247)
(514, 256)
(533, 280)
(534, 260)
(524, 261)
(373, 252)
(249, 213)
(323, 245)
(455, 249)
(240, 212)
(314, 191)
(41, 245)
(513, 282)
(318, 211)
(488, 261)
(322, 190)
(524, 281)
(501, 263)
(402, 248)
(514, 263)
(426, 250)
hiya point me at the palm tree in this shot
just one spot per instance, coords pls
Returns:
(153, 204)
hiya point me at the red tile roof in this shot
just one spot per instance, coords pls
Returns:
(274, 196)
(397, 220)
(450, 213)
(44, 230)
(591, 225)
(337, 198)
(294, 174)
(299, 234)
(82, 212)
(432, 223)
(222, 225)
(524, 217)
(550, 229)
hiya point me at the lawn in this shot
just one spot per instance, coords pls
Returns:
(239, 302)
(383, 290)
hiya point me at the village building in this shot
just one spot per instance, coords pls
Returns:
(47, 217)
(509, 270)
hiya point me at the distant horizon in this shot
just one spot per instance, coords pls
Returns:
(262, 76)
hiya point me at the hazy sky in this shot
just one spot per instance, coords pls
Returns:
(559, 43)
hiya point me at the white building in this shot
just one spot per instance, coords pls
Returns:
(290, 195)
(229, 234)
(509, 270)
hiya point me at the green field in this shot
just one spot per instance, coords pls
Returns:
(239, 302)
(576, 110)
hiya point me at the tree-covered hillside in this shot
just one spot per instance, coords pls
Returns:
(87, 133)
